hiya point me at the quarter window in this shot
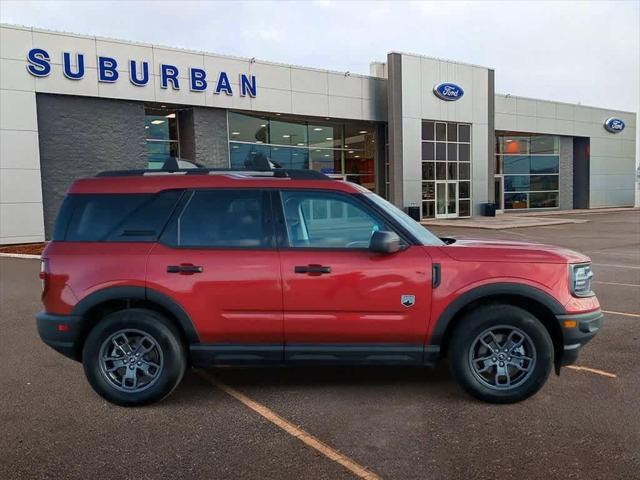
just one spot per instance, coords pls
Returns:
(327, 220)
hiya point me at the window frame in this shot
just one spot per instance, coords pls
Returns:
(282, 232)
(169, 237)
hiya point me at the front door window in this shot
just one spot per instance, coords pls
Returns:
(327, 220)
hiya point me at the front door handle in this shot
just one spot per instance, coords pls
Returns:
(312, 269)
(184, 269)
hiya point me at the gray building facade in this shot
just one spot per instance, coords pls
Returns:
(421, 131)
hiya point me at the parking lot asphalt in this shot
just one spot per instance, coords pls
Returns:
(400, 423)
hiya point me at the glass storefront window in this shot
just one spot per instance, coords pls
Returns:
(530, 166)
(545, 144)
(341, 148)
(247, 128)
(543, 199)
(243, 154)
(325, 136)
(446, 158)
(464, 133)
(162, 137)
(288, 133)
(514, 145)
(464, 171)
(428, 151)
(295, 158)
(545, 164)
(515, 201)
(325, 160)
(464, 152)
(428, 131)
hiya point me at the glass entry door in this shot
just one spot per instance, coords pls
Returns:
(447, 199)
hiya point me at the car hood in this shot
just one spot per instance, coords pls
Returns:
(483, 250)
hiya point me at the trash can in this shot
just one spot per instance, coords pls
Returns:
(488, 209)
(414, 212)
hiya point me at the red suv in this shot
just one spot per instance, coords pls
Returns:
(151, 272)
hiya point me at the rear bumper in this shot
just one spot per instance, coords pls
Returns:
(60, 332)
(586, 327)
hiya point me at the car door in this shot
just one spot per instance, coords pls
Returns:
(217, 258)
(342, 302)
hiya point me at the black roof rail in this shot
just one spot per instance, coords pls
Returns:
(276, 172)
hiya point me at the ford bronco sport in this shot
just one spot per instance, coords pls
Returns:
(151, 272)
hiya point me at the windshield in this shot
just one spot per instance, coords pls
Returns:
(422, 234)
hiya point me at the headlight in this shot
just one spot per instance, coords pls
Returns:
(580, 279)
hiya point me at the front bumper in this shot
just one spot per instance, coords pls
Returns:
(575, 337)
(60, 332)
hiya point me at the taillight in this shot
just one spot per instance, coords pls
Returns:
(44, 272)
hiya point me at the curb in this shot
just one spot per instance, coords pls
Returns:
(20, 255)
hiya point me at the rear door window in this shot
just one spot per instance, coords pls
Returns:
(115, 217)
(224, 219)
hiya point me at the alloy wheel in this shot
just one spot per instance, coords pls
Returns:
(502, 357)
(131, 360)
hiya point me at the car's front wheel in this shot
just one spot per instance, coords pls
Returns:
(134, 357)
(501, 353)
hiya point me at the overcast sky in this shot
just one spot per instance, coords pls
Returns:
(585, 52)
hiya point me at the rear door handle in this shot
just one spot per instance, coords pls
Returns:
(184, 269)
(312, 269)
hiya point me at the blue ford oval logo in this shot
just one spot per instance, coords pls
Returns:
(614, 125)
(448, 91)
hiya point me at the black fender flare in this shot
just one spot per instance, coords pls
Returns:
(140, 293)
(491, 290)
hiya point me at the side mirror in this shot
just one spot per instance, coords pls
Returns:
(384, 242)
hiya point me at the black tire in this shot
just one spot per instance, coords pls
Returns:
(165, 350)
(465, 346)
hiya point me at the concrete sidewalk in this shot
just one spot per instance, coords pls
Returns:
(501, 222)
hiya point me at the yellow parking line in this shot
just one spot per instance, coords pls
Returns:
(621, 313)
(615, 283)
(291, 429)
(593, 370)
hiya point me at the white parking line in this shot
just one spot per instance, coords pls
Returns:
(593, 370)
(621, 313)
(615, 266)
(615, 283)
(291, 429)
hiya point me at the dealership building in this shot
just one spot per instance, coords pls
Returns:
(420, 131)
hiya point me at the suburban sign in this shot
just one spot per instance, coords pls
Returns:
(448, 91)
(614, 125)
(73, 68)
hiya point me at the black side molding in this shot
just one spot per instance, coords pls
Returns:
(436, 275)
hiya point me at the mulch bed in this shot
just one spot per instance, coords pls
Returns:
(24, 248)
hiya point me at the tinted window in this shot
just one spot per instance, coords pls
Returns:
(224, 218)
(327, 220)
(114, 218)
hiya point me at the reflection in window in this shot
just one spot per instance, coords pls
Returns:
(162, 140)
(327, 220)
(223, 218)
(345, 149)
(446, 157)
(530, 165)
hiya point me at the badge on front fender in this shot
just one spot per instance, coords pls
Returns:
(408, 300)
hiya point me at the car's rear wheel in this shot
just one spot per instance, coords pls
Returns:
(134, 357)
(501, 353)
